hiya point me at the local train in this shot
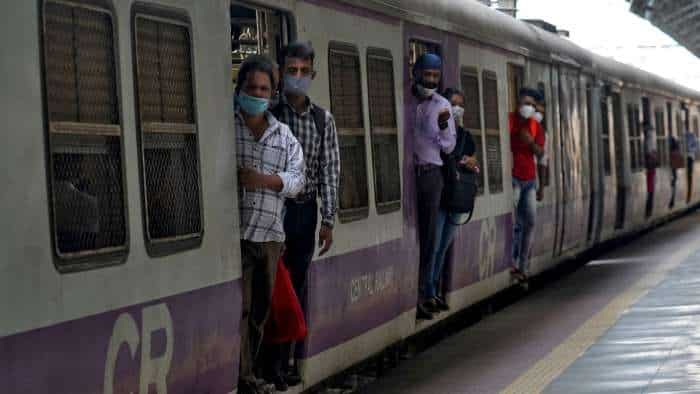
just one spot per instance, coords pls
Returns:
(121, 265)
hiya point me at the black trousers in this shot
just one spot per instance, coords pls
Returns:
(300, 221)
(429, 184)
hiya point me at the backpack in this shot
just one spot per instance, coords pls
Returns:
(460, 186)
(318, 113)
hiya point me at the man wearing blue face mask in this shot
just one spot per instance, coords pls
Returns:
(271, 168)
(315, 129)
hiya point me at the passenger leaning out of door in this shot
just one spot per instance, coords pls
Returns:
(650, 162)
(314, 127)
(271, 168)
(434, 133)
(459, 192)
(542, 160)
(691, 144)
(525, 145)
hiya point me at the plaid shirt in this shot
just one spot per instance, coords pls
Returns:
(277, 152)
(322, 156)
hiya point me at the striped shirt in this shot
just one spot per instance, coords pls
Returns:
(321, 155)
(277, 152)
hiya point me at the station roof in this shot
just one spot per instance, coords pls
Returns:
(677, 18)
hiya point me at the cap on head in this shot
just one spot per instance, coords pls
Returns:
(531, 93)
(427, 61)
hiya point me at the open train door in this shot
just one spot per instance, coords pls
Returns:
(620, 163)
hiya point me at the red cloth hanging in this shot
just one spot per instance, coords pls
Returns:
(286, 321)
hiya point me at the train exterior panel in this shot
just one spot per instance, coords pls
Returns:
(165, 316)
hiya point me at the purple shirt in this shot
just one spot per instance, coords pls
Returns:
(429, 139)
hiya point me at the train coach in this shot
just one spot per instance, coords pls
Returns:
(121, 271)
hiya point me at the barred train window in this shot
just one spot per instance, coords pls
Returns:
(635, 138)
(494, 161)
(605, 115)
(84, 133)
(382, 116)
(346, 105)
(472, 116)
(168, 132)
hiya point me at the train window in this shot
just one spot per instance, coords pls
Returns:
(385, 143)
(469, 79)
(494, 162)
(256, 31)
(168, 133)
(417, 48)
(635, 138)
(604, 113)
(84, 136)
(696, 126)
(346, 105)
(661, 138)
(516, 80)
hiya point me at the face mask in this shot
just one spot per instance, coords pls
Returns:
(296, 85)
(538, 117)
(252, 105)
(458, 114)
(426, 91)
(526, 111)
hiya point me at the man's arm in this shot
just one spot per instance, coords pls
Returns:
(293, 175)
(446, 138)
(329, 172)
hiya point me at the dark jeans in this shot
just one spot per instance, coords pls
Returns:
(300, 220)
(429, 184)
(258, 279)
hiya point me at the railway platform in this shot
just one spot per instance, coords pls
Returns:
(627, 321)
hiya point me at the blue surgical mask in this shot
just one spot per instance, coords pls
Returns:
(296, 85)
(252, 105)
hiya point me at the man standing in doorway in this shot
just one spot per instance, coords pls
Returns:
(271, 168)
(434, 132)
(525, 144)
(651, 161)
(691, 141)
(314, 127)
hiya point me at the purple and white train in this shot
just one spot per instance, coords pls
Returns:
(121, 263)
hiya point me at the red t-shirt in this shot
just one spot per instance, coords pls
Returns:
(523, 158)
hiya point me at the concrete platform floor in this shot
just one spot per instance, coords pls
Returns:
(627, 322)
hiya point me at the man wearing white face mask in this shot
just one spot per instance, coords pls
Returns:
(434, 132)
(525, 145)
(315, 129)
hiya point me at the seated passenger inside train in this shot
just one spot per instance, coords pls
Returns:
(460, 187)
(271, 169)
(525, 144)
(434, 133)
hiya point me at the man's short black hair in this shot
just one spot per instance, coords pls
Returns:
(530, 92)
(449, 92)
(298, 49)
(254, 63)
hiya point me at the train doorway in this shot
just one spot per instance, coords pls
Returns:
(618, 136)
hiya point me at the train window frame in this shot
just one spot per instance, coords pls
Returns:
(477, 108)
(286, 33)
(605, 135)
(73, 137)
(541, 87)
(492, 131)
(634, 137)
(662, 144)
(383, 207)
(162, 246)
(350, 214)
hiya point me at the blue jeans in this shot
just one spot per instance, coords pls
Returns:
(446, 226)
(525, 208)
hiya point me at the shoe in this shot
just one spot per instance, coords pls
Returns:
(247, 387)
(293, 378)
(441, 304)
(431, 306)
(422, 313)
(517, 274)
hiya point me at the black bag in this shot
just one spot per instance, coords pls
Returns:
(460, 187)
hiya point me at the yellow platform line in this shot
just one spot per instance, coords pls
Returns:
(540, 375)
